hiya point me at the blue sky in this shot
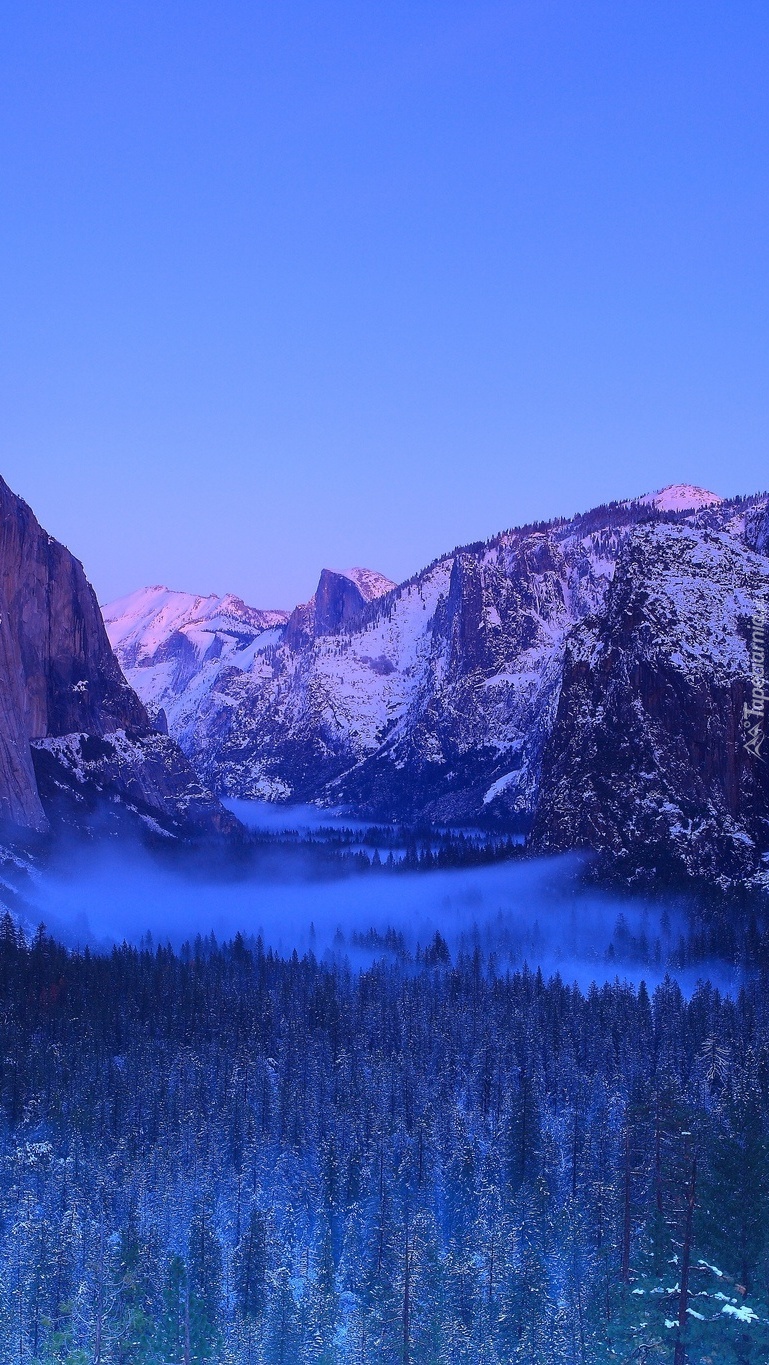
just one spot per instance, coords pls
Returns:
(291, 284)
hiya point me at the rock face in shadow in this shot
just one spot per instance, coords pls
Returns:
(338, 602)
(757, 530)
(59, 677)
(647, 763)
(113, 781)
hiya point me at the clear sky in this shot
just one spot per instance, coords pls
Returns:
(293, 283)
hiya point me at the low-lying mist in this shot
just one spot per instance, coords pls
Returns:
(538, 912)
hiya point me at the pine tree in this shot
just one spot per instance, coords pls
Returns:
(205, 1286)
(137, 1306)
(283, 1343)
(250, 1267)
(323, 1303)
(173, 1335)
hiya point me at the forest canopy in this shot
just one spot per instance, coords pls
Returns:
(219, 1154)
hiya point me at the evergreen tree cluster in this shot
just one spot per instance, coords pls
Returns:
(224, 1155)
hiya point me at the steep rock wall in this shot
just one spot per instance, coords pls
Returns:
(59, 677)
(647, 762)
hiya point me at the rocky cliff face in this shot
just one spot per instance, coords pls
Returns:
(122, 779)
(475, 645)
(341, 597)
(59, 677)
(339, 601)
(757, 529)
(647, 762)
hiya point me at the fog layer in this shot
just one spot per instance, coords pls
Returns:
(536, 912)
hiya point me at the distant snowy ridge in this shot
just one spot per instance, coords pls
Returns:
(142, 623)
(680, 497)
(175, 645)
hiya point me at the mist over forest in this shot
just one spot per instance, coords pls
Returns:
(307, 895)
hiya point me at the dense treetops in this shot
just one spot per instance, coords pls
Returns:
(219, 1154)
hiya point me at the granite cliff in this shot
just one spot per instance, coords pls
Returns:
(647, 763)
(73, 733)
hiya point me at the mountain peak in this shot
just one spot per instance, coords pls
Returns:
(680, 497)
(142, 623)
(369, 583)
(342, 593)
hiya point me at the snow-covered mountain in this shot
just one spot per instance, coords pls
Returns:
(440, 698)
(143, 622)
(176, 644)
(182, 649)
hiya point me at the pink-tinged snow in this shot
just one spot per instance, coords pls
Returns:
(369, 583)
(680, 497)
(145, 620)
(173, 646)
(220, 668)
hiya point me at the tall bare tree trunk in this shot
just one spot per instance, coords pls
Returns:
(407, 1299)
(686, 1258)
(625, 1271)
(187, 1347)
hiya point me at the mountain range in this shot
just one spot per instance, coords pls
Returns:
(583, 681)
(596, 682)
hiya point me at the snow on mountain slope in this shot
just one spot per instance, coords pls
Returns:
(680, 497)
(141, 624)
(418, 698)
(369, 583)
(175, 644)
(305, 711)
(471, 700)
(186, 653)
(435, 699)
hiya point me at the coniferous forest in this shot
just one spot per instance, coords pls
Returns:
(218, 1154)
